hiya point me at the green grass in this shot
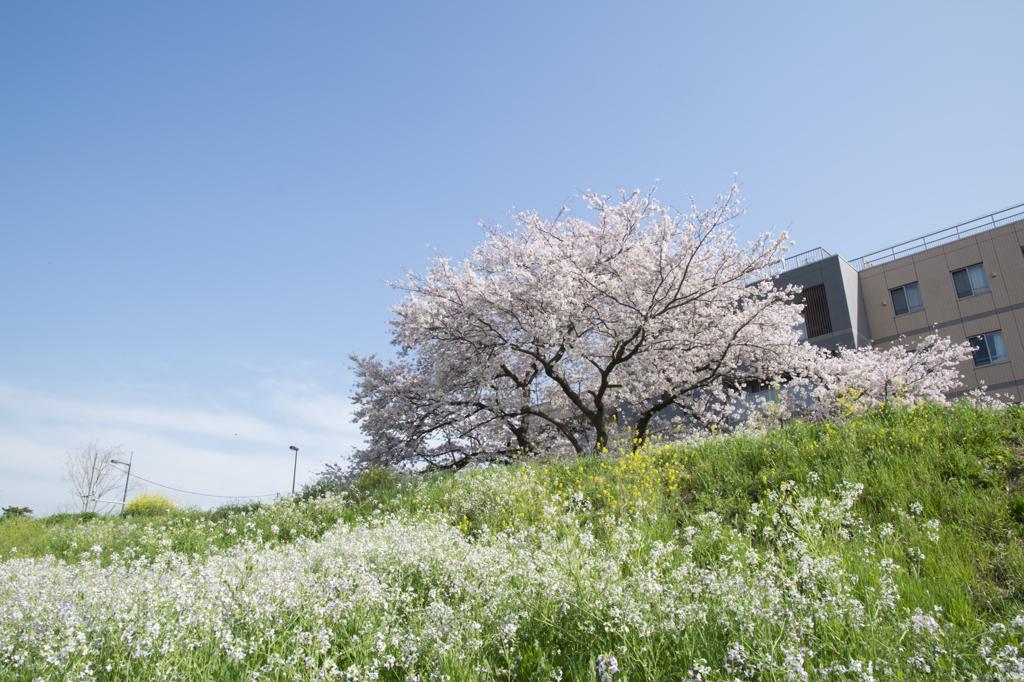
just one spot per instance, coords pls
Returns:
(943, 497)
(963, 466)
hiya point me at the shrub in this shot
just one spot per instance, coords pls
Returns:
(222, 513)
(57, 519)
(149, 504)
(374, 477)
(361, 482)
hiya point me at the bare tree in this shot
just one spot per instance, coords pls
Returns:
(93, 475)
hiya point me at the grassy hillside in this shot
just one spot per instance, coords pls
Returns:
(890, 544)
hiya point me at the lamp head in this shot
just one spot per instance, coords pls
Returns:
(292, 447)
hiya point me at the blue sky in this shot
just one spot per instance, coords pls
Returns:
(199, 202)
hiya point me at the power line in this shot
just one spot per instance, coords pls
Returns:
(190, 492)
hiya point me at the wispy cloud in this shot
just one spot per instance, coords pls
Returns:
(236, 444)
(35, 404)
(312, 405)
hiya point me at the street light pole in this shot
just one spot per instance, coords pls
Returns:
(295, 471)
(128, 476)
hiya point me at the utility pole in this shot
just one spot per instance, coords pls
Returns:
(295, 471)
(92, 481)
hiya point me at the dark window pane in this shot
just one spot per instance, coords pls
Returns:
(816, 312)
(981, 356)
(962, 282)
(899, 301)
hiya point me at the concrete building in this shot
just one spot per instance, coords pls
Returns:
(965, 282)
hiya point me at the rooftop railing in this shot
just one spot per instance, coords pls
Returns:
(944, 236)
(799, 260)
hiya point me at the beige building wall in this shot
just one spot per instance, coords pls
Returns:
(1001, 251)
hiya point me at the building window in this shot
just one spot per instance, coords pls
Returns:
(970, 281)
(906, 299)
(988, 348)
(816, 318)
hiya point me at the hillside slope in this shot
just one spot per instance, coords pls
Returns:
(890, 543)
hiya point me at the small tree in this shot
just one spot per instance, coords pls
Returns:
(829, 385)
(92, 474)
(858, 379)
(13, 512)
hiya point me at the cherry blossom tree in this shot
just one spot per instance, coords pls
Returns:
(906, 373)
(561, 331)
(566, 333)
(831, 385)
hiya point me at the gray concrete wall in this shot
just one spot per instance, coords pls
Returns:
(842, 292)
